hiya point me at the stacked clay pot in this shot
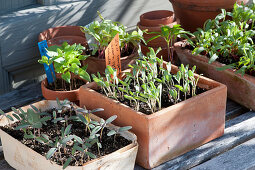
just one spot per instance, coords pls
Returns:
(58, 35)
(152, 21)
(193, 13)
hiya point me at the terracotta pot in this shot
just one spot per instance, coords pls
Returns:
(98, 65)
(172, 131)
(241, 89)
(159, 42)
(157, 18)
(193, 13)
(69, 39)
(57, 35)
(19, 156)
(61, 95)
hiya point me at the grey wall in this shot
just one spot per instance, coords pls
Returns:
(19, 31)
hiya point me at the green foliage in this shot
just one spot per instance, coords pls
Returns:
(230, 41)
(170, 35)
(104, 31)
(65, 143)
(67, 61)
(148, 77)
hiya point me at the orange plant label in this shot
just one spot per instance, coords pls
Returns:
(112, 54)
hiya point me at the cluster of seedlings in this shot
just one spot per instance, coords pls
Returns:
(149, 82)
(66, 133)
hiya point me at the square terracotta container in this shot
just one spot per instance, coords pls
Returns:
(241, 89)
(172, 131)
(21, 157)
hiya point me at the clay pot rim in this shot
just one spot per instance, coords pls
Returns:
(41, 34)
(202, 81)
(183, 43)
(158, 27)
(201, 5)
(45, 82)
(165, 16)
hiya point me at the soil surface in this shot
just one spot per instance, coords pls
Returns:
(62, 85)
(125, 51)
(109, 144)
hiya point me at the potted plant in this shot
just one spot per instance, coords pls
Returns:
(151, 22)
(224, 51)
(67, 63)
(169, 36)
(60, 135)
(151, 98)
(61, 34)
(101, 34)
(193, 13)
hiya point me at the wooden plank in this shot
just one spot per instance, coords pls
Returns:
(238, 130)
(21, 97)
(233, 109)
(239, 158)
(5, 166)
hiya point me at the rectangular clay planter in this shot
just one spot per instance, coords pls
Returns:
(21, 157)
(241, 89)
(172, 131)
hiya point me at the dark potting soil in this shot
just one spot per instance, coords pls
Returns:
(165, 99)
(124, 52)
(62, 85)
(230, 60)
(109, 144)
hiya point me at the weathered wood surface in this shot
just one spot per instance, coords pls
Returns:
(239, 158)
(240, 128)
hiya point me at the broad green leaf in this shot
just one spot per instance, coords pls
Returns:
(66, 76)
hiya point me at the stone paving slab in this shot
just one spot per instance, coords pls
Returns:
(238, 158)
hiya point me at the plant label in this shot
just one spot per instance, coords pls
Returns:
(112, 54)
(49, 70)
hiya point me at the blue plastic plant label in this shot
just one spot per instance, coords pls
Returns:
(49, 70)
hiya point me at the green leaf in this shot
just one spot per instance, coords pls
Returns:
(95, 130)
(2, 112)
(50, 153)
(57, 119)
(68, 129)
(66, 76)
(83, 119)
(111, 119)
(78, 139)
(16, 116)
(37, 125)
(67, 139)
(112, 132)
(213, 58)
(91, 155)
(15, 110)
(9, 117)
(35, 109)
(125, 128)
(224, 67)
(45, 119)
(84, 75)
(23, 126)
